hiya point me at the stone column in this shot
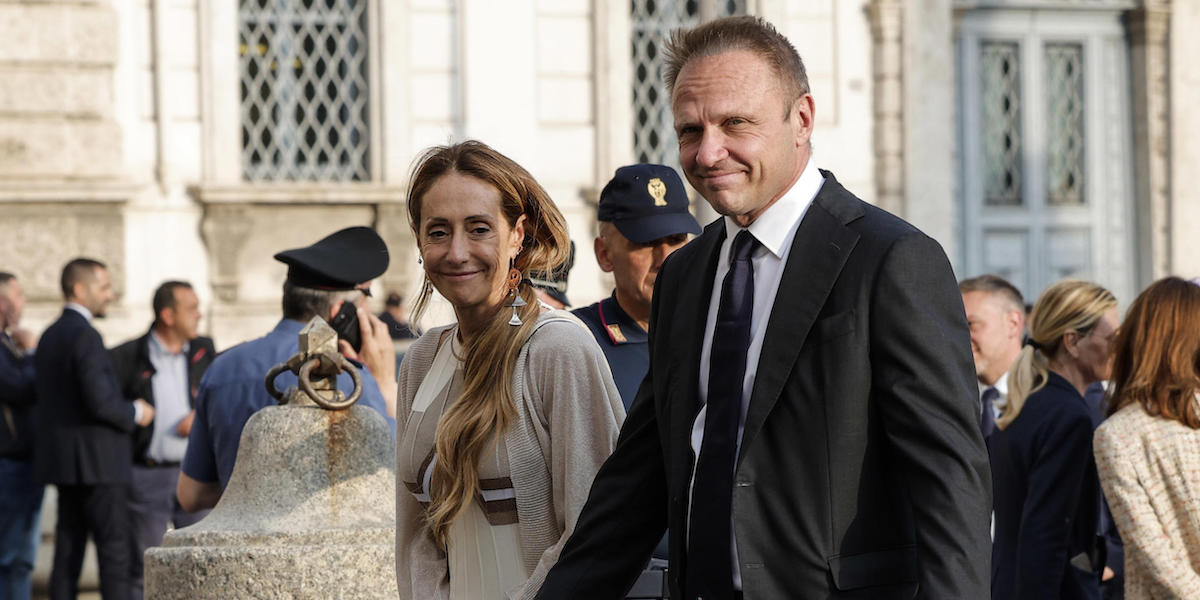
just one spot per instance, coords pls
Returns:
(1148, 28)
(887, 27)
(1185, 138)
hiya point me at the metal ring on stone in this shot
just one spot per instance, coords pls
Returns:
(306, 385)
(271, 375)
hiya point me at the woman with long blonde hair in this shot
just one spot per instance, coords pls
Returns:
(1148, 450)
(504, 417)
(1045, 490)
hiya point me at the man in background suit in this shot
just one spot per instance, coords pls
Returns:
(808, 427)
(83, 445)
(20, 495)
(162, 367)
(996, 316)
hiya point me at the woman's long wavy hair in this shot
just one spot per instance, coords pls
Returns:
(1068, 305)
(1156, 356)
(486, 406)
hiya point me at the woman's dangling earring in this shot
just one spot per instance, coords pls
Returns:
(514, 283)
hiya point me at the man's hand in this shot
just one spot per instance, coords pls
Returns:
(147, 412)
(185, 425)
(378, 353)
(24, 339)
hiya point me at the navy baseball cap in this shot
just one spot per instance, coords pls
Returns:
(646, 202)
(342, 260)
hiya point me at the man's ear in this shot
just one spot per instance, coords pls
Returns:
(600, 247)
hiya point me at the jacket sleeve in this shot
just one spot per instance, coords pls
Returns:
(584, 413)
(1051, 504)
(101, 394)
(17, 382)
(1130, 490)
(923, 381)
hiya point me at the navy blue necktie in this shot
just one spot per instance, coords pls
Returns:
(987, 418)
(709, 568)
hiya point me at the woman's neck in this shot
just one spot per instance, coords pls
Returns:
(1070, 371)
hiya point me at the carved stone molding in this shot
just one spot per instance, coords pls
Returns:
(1148, 29)
(887, 36)
(49, 225)
(244, 225)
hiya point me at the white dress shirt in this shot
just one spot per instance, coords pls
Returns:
(81, 309)
(774, 229)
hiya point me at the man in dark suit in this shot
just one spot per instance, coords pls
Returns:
(162, 367)
(83, 445)
(807, 428)
(20, 495)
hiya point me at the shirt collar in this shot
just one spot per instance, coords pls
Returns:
(81, 309)
(612, 315)
(157, 346)
(772, 227)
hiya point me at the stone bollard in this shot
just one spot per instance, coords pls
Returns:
(309, 511)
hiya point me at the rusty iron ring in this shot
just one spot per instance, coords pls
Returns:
(344, 365)
(276, 371)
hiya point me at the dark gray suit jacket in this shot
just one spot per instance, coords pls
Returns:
(862, 472)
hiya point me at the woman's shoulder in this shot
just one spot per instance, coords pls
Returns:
(559, 330)
(1056, 404)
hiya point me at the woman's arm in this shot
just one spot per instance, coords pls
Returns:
(583, 413)
(1149, 543)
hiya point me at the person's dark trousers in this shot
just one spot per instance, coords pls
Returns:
(152, 507)
(102, 511)
(20, 512)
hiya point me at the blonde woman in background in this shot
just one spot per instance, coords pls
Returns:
(1045, 489)
(504, 417)
(1148, 451)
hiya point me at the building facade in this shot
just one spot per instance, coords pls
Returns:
(193, 139)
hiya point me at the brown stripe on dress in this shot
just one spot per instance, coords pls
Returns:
(500, 512)
(496, 483)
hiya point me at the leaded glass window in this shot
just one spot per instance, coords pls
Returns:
(1001, 96)
(304, 90)
(652, 22)
(1064, 120)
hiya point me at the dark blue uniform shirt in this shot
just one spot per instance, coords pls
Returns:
(232, 390)
(623, 342)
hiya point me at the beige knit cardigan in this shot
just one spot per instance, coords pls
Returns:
(1150, 470)
(569, 413)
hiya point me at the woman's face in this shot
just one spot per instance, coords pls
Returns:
(1094, 350)
(466, 243)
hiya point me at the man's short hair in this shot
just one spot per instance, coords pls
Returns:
(996, 286)
(394, 300)
(750, 33)
(303, 303)
(164, 296)
(79, 270)
(6, 277)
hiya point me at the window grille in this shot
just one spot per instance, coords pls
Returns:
(304, 90)
(1001, 91)
(652, 21)
(1064, 120)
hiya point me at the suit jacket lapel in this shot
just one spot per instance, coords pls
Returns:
(819, 251)
(695, 289)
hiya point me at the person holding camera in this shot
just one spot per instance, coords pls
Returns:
(324, 279)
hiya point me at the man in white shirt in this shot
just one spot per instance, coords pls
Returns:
(808, 426)
(996, 316)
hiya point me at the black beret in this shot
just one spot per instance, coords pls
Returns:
(341, 260)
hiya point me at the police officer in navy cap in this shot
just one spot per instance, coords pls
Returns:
(643, 217)
(320, 279)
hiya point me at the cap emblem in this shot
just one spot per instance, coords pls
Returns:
(614, 331)
(658, 191)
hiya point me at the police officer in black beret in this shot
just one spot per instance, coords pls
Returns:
(320, 279)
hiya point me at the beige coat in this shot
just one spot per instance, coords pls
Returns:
(569, 414)
(1150, 470)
